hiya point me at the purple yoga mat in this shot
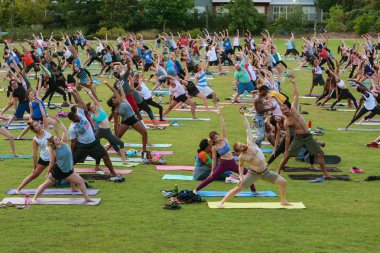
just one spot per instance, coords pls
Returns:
(165, 167)
(313, 95)
(52, 192)
(90, 170)
(154, 152)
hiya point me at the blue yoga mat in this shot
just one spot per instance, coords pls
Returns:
(240, 194)
(177, 177)
(16, 157)
(267, 150)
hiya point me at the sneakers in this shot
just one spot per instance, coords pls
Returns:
(172, 206)
(175, 123)
(65, 104)
(116, 179)
(355, 170)
(230, 180)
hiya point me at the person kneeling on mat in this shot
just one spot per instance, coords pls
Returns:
(251, 153)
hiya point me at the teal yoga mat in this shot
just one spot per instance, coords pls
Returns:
(267, 150)
(16, 157)
(177, 177)
(240, 194)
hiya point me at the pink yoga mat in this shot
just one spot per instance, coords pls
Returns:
(148, 121)
(165, 167)
(154, 152)
(159, 125)
(197, 110)
(90, 170)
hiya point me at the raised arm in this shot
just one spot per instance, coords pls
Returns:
(247, 128)
(295, 92)
(64, 130)
(222, 124)
(117, 95)
(92, 98)
(78, 99)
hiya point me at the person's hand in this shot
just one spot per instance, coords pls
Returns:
(209, 176)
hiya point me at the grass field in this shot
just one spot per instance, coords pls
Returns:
(340, 216)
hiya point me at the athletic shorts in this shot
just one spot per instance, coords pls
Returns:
(21, 109)
(43, 162)
(304, 140)
(132, 102)
(205, 90)
(229, 51)
(191, 89)
(94, 149)
(318, 79)
(213, 63)
(242, 87)
(252, 176)
(181, 98)
(147, 66)
(58, 174)
(130, 121)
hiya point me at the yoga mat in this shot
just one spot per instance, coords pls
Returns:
(265, 143)
(265, 205)
(139, 145)
(345, 110)
(191, 119)
(54, 201)
(159, 122)
(197, 110)
(313, 95)
(267, 150)
(23, 139)
(16, 157)
(240, 194)
(129, 159)
(160, 92)
(16, 128)
(307, 169)
(315, 176)
(165, 167)
(308, 97)
(92, 170)
(229, 103)
(154, 152)
(158, 125)
(367, 123)
(52, 192)
(373, 120)
(118, 164)
(359, 129)
(177, 177)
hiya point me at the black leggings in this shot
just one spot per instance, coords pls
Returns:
(329, 61)
(343, 60)
(150, 101)
(353, 70)
(344, 94)
(363, 110)
(239, 48)
(283, 63)
(96, 58)
(281, 149)
(51, 90)
(225, 58)
(145, 107)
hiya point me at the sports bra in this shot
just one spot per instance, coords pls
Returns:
(102, 116)
(225, 149)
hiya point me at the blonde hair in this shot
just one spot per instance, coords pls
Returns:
(50, 143)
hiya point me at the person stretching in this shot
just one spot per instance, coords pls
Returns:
(251, 153)
(221, 147)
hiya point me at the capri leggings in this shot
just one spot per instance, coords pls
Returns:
(106, 133)
(150, 101)
(145, 107)
(222, 167)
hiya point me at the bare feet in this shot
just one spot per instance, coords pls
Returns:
(74, 189)
(16, 155)
(329, 177)
(285, 203)
(195, 192)
(17, 192)
(220, 204)
(34, 200)
(86, 200)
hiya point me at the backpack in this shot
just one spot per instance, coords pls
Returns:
(189, 197)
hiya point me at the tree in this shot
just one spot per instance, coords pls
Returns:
(335, 21)
(167, 13)
(32, 12)
(364, 23)
(325, 5)
(243, 15)
(119, 13)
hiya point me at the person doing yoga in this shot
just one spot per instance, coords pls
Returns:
(252, 154)
(221, 147)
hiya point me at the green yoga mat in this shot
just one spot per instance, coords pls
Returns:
(177, 177)
(16, 157)
(117, 164)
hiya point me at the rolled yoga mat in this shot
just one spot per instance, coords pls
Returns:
(240, 194)
(54, 201)
(52, 192)
(265, 205)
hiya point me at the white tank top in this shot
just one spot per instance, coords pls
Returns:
(236, 41)
(340, 84)
(370, 102)
(42, 144)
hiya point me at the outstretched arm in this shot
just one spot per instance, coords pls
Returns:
(78, 99)
(295, 92)
(224, 131)
(247, 128)
(359, 83)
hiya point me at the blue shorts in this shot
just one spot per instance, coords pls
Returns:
(245, 87)
(21, 109)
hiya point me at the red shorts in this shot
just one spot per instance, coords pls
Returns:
(132, 102)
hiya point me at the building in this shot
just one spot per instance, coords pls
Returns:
(271, 8)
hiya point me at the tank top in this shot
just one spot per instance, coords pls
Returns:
(369, 103)
(42, 144)
(36, 109)
(225, 149)
(340, 84)
(64, 158)
(202, 80)
(102, 116)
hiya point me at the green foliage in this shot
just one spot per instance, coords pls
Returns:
(193, 33)
(112, 33)
(167, 13)
(365, 23)
(119, 13)
(325, 5)
(335, 21)
(293, 21)
(243, 15)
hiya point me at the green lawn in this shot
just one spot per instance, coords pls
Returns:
(340, 216)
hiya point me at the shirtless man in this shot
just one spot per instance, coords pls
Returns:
(251, 153)
(302, 135)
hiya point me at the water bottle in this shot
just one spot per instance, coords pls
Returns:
(27, 200)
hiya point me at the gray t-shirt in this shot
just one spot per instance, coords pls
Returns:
(82, 130)
(64, 158)
(125, 110)
(124, 83)
(137, 97)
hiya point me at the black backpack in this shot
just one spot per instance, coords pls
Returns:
(189, 197)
